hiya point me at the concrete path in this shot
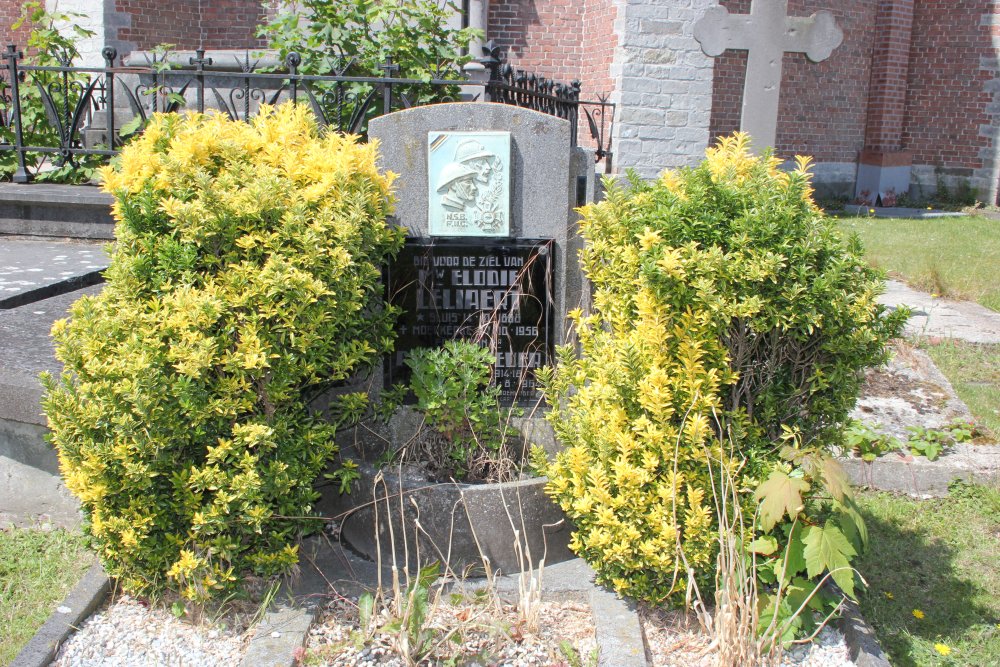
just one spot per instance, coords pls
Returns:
(35, 269)
(943, 318)
(30, 485)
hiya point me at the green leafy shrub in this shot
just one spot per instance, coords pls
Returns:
(727, 314)
(244, 280)
(867, 443)
(329, 34)
(932, 442)
(47, 46)
(355, 37)
(468, 437)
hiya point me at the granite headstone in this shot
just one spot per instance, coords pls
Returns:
(487, 193)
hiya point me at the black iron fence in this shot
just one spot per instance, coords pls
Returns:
(71, 114)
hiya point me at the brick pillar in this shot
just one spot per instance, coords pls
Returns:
(883, 165)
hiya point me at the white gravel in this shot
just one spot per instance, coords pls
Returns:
(464, 632)
(127, 633)
(675, 640)
(829, 649)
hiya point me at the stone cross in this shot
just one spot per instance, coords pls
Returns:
(767, 32)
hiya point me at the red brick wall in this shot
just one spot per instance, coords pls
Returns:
(946, 103)
(563, 40)
(823, 105)
(155, 22)
(10, 11)
(190, 24)
(599, 43)
(543, 36)
(232, 24)
(890, 66)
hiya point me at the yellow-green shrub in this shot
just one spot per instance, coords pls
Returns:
(726, 312)
(244, 281)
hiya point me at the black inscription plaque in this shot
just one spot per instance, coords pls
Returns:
(496, 293)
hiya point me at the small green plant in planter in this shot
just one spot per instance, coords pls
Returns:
(468, 432)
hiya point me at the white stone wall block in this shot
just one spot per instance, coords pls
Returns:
(643, 116)
(91, 17)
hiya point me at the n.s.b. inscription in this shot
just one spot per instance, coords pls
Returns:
(496, 294)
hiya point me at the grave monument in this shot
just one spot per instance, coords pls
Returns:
(767, 33)
(487, 193)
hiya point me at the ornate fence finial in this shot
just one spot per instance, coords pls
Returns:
(110, 54)
(491, 59)
(389, 68)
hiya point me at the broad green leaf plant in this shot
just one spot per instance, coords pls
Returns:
(730, 326)
(243, 283)
(48, 45)
(356, 37)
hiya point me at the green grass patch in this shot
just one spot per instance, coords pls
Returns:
(939, 558)
(37, 570)
(974, 372)
(954, 257)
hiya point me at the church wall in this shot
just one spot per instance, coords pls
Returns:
(952, 109)
(823, 105)
(598, 73)
(232, 24)
(599, 42)
(951, 119)
(541, 36)
(666, 86)
(10, 11)
(140, 25)
(561, 40)
(89, 48)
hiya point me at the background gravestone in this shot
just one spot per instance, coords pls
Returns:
(548, 179)
(767, 32)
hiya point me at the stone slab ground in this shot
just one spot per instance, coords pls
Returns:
(49, 209)
(29, 471)
(911, 391)
(943, 318)
(34, 269)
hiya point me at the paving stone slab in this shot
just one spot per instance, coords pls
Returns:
(26, 350)
(943, 318)
(55, 193)
(30, 485)
(911, 391)
(36, 269)
(908, 391)
(283, 630)
(53, 210)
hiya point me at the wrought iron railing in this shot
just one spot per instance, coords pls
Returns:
(92, 111)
